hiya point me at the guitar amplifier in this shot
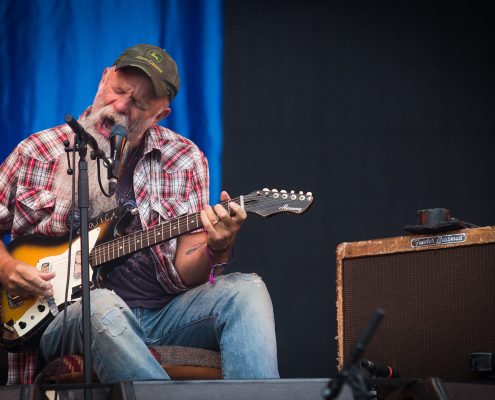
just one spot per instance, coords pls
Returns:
(438, 293)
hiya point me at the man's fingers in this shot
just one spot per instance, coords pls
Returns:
(27, 280)
(46, 276)
(239, 211)
(208, 222)
(224, 196)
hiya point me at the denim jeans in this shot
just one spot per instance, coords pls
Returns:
(234, 315)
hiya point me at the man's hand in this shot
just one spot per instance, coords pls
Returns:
(220, 226)
(20, 279)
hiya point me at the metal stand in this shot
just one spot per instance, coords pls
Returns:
(352, 375)
(83, 139)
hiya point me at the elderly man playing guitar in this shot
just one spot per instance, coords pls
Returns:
(167, 293)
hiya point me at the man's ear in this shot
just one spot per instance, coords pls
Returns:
(164, 114)
(103, 77)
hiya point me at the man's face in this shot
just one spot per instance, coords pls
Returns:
(126, 97)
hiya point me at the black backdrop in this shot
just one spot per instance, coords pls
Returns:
(378, 108)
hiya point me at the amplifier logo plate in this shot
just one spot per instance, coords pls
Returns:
(439, 240)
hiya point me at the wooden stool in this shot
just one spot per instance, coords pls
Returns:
(180, 363)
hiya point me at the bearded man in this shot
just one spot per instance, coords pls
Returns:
(159, 295)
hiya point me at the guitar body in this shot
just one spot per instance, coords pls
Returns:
(23, 319)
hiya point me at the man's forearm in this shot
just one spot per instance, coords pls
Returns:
(7, 263)
(191, 260)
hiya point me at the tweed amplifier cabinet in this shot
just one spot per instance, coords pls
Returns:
(438, 293)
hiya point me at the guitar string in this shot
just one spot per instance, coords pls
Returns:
(179, 225)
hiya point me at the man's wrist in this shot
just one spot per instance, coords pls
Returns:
(219, 256)
(217, 264)
(6, 269)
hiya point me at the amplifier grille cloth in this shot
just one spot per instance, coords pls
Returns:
(439, 304)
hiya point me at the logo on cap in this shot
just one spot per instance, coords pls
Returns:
(154, 55)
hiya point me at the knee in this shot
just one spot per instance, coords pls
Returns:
(109, 313)
(251, 293)
(103, 299)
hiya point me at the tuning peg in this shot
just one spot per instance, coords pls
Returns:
(309, 194)
(301, 192)
(283, 191)
(274, 190)
(266, 190)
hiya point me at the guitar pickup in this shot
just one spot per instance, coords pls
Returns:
(45, 267)
(15, 301)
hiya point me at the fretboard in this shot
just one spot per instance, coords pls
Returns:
(128, 244)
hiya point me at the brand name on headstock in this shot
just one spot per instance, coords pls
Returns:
(287, 208)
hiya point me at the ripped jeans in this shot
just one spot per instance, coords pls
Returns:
(234, 316)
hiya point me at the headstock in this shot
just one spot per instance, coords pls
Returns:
(268, 202)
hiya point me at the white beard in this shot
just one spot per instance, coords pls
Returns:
(63, 183)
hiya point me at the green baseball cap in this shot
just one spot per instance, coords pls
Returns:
(154, 62)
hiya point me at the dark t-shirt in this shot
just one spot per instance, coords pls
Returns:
(133, 277)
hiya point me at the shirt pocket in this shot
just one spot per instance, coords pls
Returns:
(34, 206)
(34, 200)
(177, 184)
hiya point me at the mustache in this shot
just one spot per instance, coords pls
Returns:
(105, 115)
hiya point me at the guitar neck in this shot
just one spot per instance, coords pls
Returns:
(133, 242)
(262, 202)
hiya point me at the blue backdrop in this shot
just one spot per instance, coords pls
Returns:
(52, 54)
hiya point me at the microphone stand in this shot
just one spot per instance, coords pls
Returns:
(352, 373)
(83, 139)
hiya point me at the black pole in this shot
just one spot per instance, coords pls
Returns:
(83, 196)
(83, 199)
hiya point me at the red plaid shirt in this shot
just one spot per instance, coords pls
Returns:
(170, 179)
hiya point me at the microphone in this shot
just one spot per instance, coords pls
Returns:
(378, 370)
(118, 139)
(83, 135)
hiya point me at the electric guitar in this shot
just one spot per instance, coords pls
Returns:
(23, 320)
